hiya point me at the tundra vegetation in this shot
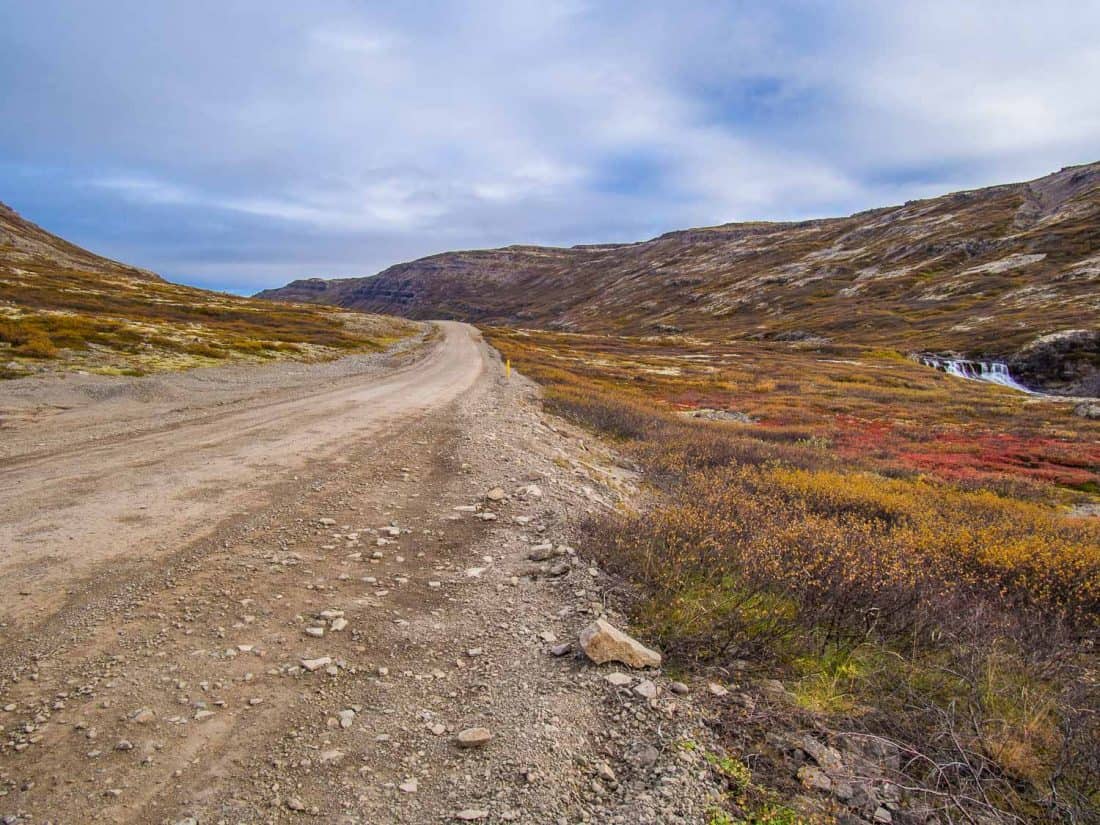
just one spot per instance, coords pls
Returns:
(64, 309)
(916, 556)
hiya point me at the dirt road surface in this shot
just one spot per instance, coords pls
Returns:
(278, 594)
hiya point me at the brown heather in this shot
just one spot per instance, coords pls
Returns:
(63, 308)
(897, 543)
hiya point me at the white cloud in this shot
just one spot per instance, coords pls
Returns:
(480, 123)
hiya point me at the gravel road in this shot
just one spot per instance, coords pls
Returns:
(280, 594)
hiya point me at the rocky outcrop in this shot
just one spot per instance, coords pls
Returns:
(1067, 361)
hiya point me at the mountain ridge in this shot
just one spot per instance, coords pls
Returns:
(984, 272)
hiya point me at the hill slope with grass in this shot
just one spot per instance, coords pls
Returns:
(987, 273)
(63, 308)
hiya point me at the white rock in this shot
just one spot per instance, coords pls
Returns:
(602, 642)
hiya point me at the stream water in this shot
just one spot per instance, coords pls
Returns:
(995, 372)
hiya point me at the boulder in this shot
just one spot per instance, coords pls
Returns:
(602, 642)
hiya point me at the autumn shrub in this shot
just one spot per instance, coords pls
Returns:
(13, 332)
(619, 417)
(37, 345)
(893, 544)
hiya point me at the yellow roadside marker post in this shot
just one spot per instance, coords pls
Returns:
(507, 367)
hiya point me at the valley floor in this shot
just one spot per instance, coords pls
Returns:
(166, 544)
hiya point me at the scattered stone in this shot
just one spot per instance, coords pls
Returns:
(646, 689)
(644, 756)
(827, 757)
(619, 679)
(679, 688)
(602, 643)
(315, 632)
(143, 716)
(330, 757)
(295, 804)
(316, 664)
(409, 786)
(473, 737)
(496, 494)
(560, 650)
(883, 816)
(774, 690)
(814, 778)
(338, 624)
(717, 689)
(542, 552)
(471, 814)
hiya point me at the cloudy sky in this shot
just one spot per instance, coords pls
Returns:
(237, 144)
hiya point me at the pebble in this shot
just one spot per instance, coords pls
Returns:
(316, 664)
(473, 737)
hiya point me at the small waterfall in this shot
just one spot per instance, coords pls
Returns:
(995, 372)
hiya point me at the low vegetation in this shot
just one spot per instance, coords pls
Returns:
(55, 317)
(911, 552)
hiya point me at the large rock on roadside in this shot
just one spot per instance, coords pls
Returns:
(603, 642)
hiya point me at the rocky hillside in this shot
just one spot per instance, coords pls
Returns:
(63, 308)
(999, 272)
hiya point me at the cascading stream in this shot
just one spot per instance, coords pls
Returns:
(995, 372)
